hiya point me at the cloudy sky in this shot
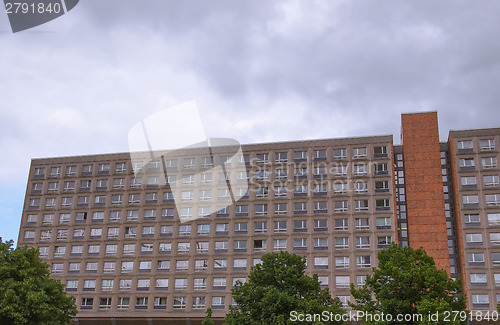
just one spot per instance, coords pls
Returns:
(258, 70)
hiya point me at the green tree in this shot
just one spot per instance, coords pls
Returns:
(208, 318)
(277, 287)
(27, 294)
(407, 282)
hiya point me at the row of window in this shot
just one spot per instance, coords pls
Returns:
(119, 183)
(470, 182)
(474, 219)
(478, 259)
(198, 283)
(470, 164)
(320, 243)
(476, 239)
(468, 145)
(472, 200)
(205, 162)
(260, 227)
(340, 206)
(319, 262)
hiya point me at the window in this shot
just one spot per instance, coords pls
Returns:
(163, 265)
(69, 186)
(489, 162)
(361, 280)
(487, 144)
(494, 219)
(300, 172)
(259, 245)
(29, 234)
(218, 302)
(341, 242)
(300, 226)
(87, 169)
(465, 145)
(117, 199)
(361, 205)
(476, 259)
(198, 302)
(109, 267)
(71, 170)
(241, 228)
(363, 242)
(280, 208)
(319, 154)
(467, 163)
(319, 172)
(261, 209)
(470, 200)
(60, 251)
(50, 202)
(111, 249)
(383, 222)
(262, 158)
(165, 230)
(490, 180)
(341, 206)
(341, 224)
(384, 241)
(320, 225)
(127, 267)
(360, 170)
(362, 223)
(280, 191)
(380, 151)
(31, 218)
(495, 259)
(381, 186)
(383, 204)
(468, 181)
(165, 247)
(88, 285)
(242, 210)
(107, 285)
(118, 183)
(221, 228)
(320, 243)
(358, 153)
(74, 267)
(360, 187)
(320, 207)
(340, 153)
(182, 265)
(495, 238)
(71, 285)
(62, 234)
(103, 169)
(219, 283)
(45, 234)
(300, 244)
(220, 265)
(321, 262)
(363, 262)
(300, 155)
(279, 244)
(179, 303)
(300, 190)
(260, 227)
(480, 300)
(151, 197)
(183, 248)
(221, 246)
(184, 230)
(203, 229)
(281, 157)
(87, 303)
(105, 303)
(342, 281)
(189, 163)
(492, 199)
(200, 284)
(339, 188)
(280, 227)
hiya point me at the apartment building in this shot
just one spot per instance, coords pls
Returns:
(156, 238)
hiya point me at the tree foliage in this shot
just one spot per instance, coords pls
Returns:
(277, 287)
(407, 282)
(208, 318)
(27, 294)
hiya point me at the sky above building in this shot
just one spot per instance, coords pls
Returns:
(258, 70)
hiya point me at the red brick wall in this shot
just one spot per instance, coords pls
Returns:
(424, 186)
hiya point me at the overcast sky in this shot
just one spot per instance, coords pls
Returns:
(258, 70)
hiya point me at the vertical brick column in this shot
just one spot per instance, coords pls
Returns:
(424, 186)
